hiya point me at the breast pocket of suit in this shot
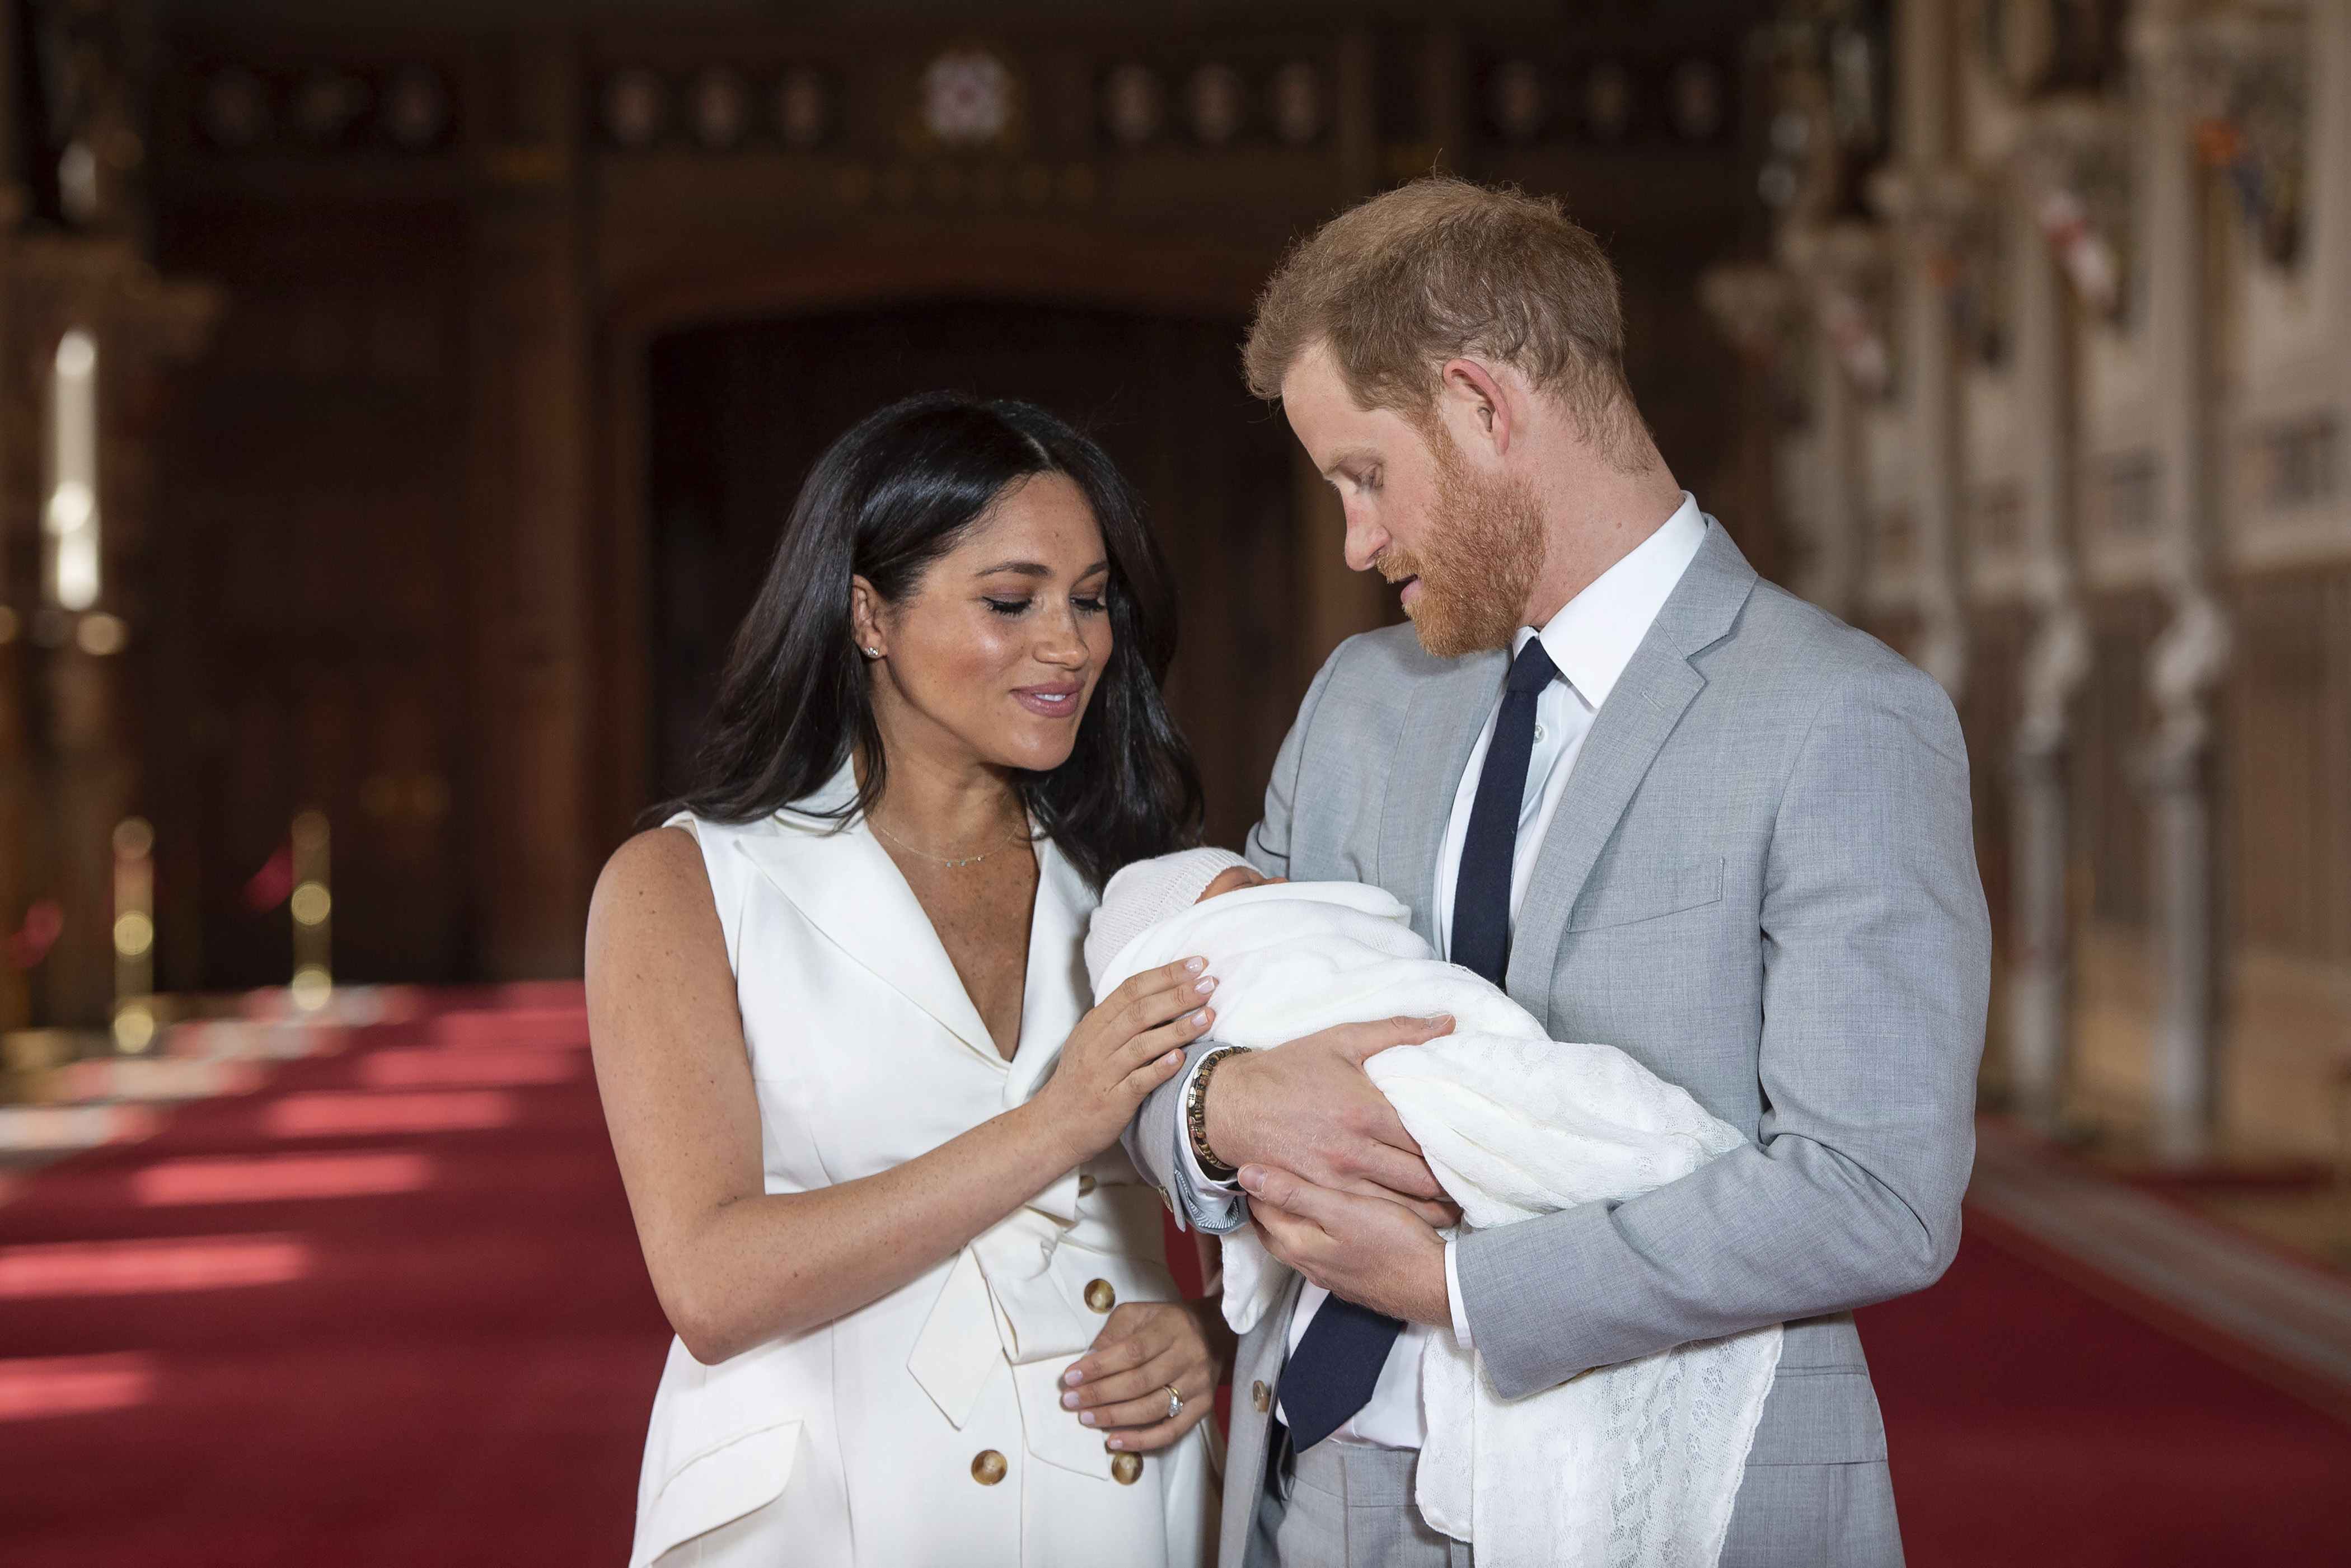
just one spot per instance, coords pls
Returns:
(1819, 1416)
(1630, 901)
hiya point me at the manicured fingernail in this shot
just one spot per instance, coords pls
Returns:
(1205, 986)
(1195, 965)
(1069, 1401)
(1074, 1377)
(1087, 1419)
(1118, 1442)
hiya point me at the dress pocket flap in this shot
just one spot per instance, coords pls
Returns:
(1625, 903)
(717, 1485)
(1819, 1418)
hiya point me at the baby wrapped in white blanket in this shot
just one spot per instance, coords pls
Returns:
(1632, 1466)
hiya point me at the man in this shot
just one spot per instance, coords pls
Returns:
(1669, 808)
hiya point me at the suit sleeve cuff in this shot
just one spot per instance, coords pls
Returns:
(1187, 1160)
(1215, 1206)
(1453, 1297)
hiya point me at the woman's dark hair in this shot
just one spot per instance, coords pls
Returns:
(884, 502)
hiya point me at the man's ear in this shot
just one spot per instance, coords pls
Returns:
(1475, 404)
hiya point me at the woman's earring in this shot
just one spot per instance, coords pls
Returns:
(872, 653)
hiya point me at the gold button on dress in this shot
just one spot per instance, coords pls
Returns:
(1126, 1469)
(1099, 1295)
(1260, 1397)
(987, 1467)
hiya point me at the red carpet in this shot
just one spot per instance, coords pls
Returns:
(2030, 1423)
(458, 1373)
(389, 1311)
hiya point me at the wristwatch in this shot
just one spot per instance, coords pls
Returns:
(1195, 1114)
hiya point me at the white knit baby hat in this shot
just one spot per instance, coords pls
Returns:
(1146, 894)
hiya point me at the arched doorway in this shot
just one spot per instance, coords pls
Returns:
(738, 411)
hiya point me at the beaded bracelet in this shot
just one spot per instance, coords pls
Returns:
(1195, 1114)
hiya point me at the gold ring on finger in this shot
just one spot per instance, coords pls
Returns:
(1174, 1402)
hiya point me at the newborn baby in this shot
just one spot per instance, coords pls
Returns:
(1633, 1464)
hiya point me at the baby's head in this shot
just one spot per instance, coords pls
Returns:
(1149, 892)
(1233, 878)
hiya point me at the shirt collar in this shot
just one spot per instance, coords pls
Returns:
(1593, 636)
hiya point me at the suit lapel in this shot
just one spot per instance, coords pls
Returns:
(1631, 728)
(1259, 1359)
(1440, 726)
(849, 889)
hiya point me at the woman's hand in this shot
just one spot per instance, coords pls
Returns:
(1120, 1051)
(1146, 1348)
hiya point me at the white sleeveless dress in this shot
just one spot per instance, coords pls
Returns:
(867, 1441)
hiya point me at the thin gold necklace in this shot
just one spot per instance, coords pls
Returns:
(943, 860)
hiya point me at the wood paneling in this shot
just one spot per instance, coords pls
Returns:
(410, 525)
(312, 591)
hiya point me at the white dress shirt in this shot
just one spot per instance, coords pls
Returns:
(1591, 640)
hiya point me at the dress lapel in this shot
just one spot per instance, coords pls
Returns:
(1058, 992)
(1630, 729)
(1440, 726)
(847, 886)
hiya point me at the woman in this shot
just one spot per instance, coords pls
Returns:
(868, 1128)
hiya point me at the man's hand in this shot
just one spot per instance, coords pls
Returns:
(1373, 1253)
(1308, 1108)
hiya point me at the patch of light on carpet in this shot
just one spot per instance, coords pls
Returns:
(332, 1114)
(409, 1068)
(40, 1385)
(146, 1267)
(273, 1178)
(517, 1026)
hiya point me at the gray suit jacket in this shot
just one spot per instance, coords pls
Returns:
(1762, 884)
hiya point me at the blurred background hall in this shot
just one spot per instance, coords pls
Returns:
(399, 399)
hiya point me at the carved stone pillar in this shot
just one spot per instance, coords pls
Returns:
(1832, 578)
(83, 771)
(530, 382)
(2193, 651)
(2330, 168)
(2056, 660)
(1838, 268)
(16, 792)
(1823, 134)
(1752, 307)
(1917, 198)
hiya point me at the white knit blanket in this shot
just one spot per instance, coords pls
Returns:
(1631, 1466)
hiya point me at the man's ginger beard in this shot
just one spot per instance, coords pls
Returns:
(1480, 556)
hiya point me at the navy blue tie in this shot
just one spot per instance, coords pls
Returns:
(1337, 1364)
(1481, 894)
